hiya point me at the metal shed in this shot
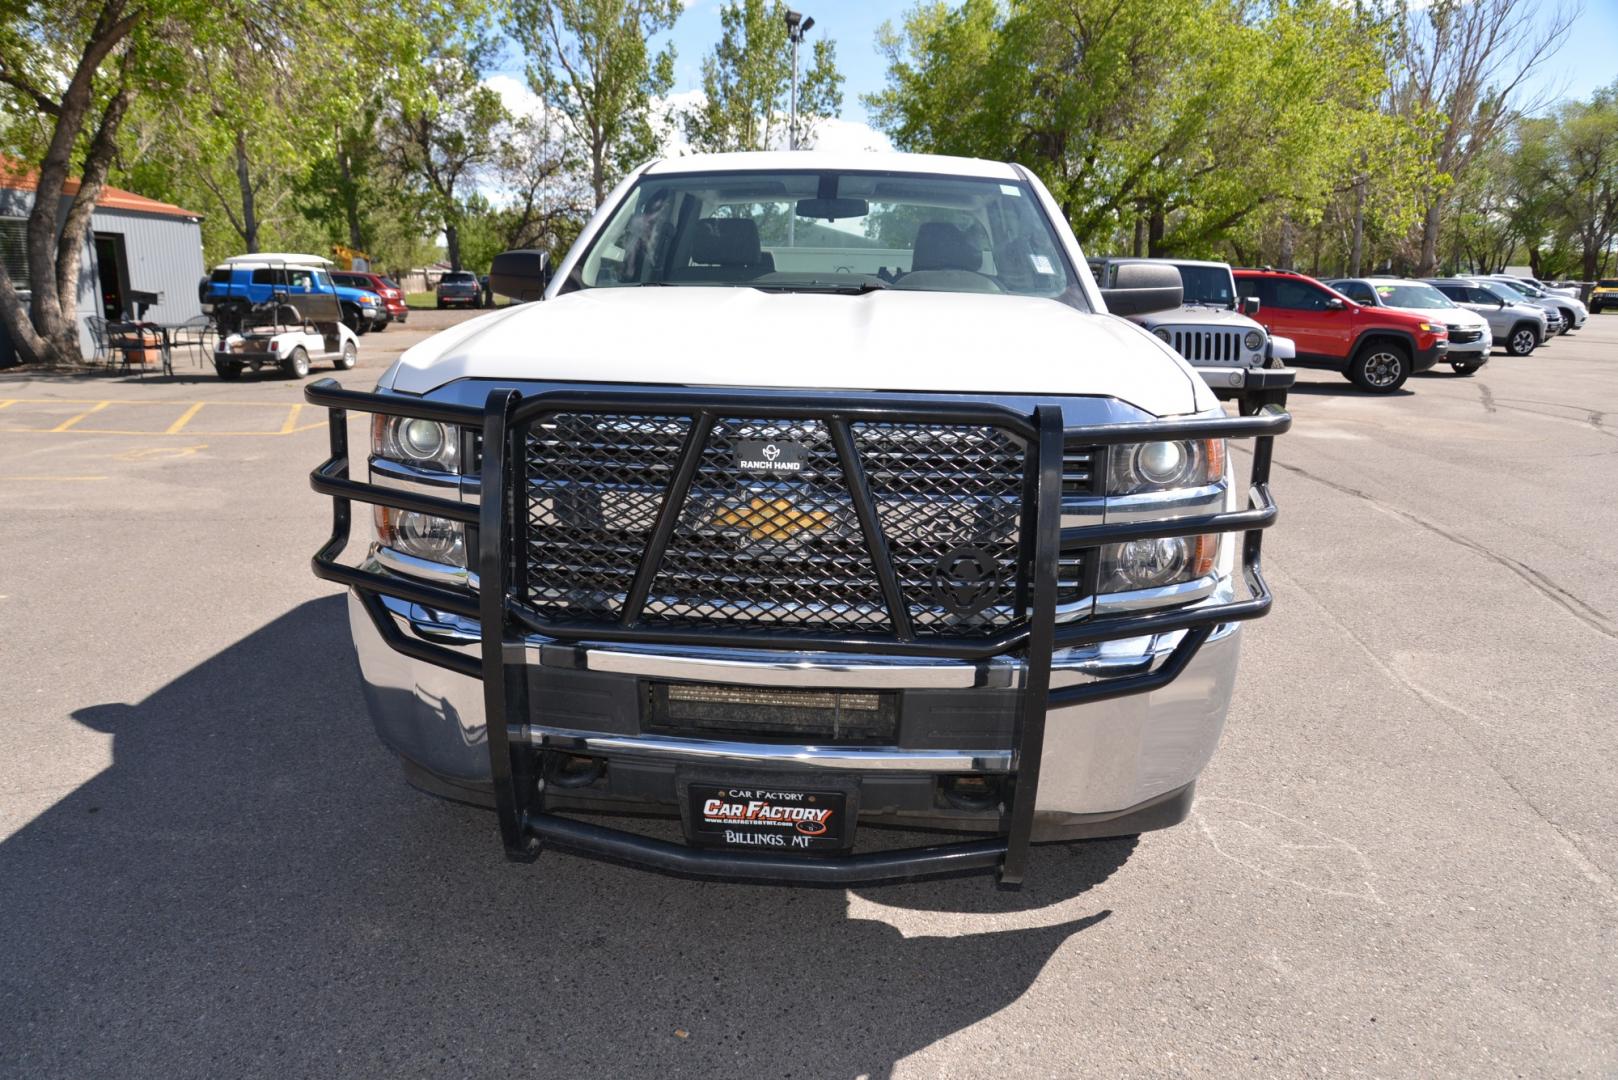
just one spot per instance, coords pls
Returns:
(135, 245)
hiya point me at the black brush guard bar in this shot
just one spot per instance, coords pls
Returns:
(497, 525)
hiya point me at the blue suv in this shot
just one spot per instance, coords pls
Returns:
(239, 284)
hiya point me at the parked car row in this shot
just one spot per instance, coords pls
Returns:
(1240, 327)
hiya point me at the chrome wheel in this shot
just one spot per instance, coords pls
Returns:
(1383, 368)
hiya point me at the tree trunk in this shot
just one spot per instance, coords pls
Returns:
(1533, 260)
(1155, 225)
(1140, 236)
(351, 202)
(452, 244)
(1285, 256)
(244, 184)
(93, 178)
(1427, 265)
(598, 169)
(1356, 251)
(47, 332)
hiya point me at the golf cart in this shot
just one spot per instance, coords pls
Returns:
(289, 331)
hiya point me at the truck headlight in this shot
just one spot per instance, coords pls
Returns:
(1163, 335)
(1254, 339)
(1154, 563)
(1155, 466)
(417, 442)
(435, 539)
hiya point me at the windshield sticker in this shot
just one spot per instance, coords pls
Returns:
(1042, 265)
(1011, 189)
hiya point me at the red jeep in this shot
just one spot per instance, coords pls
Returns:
(1375, 348)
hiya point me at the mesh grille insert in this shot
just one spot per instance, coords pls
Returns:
(767, 537)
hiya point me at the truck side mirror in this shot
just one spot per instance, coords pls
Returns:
(520, 275)
(1141, 288)
(1335, 303)
(1249, 306)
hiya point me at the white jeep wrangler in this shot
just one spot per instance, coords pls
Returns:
(818, 491)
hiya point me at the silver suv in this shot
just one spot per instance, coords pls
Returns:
(1572, 310)
(1520, 326)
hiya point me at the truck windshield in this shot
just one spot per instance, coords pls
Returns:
(1412, 296)
(829, 231)
(1208, 285)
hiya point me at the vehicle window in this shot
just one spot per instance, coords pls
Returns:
(836, 231)
(1258, 288)
(269, 275)
(461, 276)
(1208, 285)
(220, 276)
(1358, 291)
(320, 281)
(1608, 283)
(300, 279)
(1509, 289)
(1412, 296)
(1297, 295)
(1487, 294)
(389, 283)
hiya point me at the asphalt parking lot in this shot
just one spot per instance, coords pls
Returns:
(1403, 860)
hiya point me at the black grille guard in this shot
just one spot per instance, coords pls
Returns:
(495, 525)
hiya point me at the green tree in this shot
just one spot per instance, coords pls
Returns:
(70, 70)
(1175, 123)
(747, 84)
(448, 138)
(1466, 62)
(591, 61)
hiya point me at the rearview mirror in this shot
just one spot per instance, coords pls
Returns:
(1142, 288)
(520, 275)
(832, 209)
(1249, 305)
(1335, 303)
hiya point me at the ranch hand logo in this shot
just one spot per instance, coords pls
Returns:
(768, 456)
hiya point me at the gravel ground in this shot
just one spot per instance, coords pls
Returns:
(1403, 859)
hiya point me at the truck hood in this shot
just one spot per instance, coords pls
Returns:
(1196, 315)
(918, 342)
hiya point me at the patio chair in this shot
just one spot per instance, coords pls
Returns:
(128, 340)
(98, 337)
(197, 334)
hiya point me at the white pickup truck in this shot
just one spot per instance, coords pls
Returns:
(811, 491)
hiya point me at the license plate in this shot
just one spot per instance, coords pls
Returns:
(768, 819)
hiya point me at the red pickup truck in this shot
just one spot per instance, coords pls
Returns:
(1375, 348)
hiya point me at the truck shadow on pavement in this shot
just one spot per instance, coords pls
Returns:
(251, 889)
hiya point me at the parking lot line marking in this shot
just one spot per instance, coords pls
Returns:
(67, 425)
(185, 418)
(3, 404)
(292, 419)
(53, 478)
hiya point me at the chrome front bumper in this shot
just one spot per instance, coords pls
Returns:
(1099, 758)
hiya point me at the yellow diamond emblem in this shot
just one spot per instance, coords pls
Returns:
(773, 519)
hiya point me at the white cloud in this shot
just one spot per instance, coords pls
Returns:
(516, 94)
(840, 135)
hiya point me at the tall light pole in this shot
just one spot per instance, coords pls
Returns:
(797, 26)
